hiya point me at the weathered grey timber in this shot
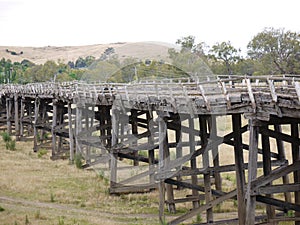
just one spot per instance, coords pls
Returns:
(171, 135)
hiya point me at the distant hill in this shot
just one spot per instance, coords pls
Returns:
(39, 55)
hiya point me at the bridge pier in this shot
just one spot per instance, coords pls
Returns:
(132, 149)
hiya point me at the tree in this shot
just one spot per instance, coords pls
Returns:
(191, 59)
(226, 54)
(110, 51)
(187, 43)
(80, 63)
(276, 50)
(49, 71)
(99, 71)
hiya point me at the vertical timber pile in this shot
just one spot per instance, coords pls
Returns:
(252, 173)
(71, 135)
(282, 156)
(212, 124)
(22, 115)
(193, 161)
(36, 119)
(17, 121)
(9, 114)
(296, 158)
(239, 167)
(205, 161)
(114, 155)
(267, 168)
(53, 129)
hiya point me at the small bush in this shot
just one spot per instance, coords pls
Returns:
(11, 145)
(61, 221)
(78, 161)
(6, 137)
(26, 220)
(42, 152)
(1, 209)
(52, 197)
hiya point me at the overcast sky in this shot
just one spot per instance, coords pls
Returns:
(65, 23)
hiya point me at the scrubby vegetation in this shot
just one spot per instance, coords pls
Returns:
(272, 51)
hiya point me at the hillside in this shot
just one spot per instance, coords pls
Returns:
(39, 55)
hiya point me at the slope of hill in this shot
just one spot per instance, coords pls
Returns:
(39, 55)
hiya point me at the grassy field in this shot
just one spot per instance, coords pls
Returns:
(36, 190)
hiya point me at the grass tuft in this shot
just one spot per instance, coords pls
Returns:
(6, 137)
(78, 161)
(42, 152)
(11, 145)
(27, 220)
(52, 197)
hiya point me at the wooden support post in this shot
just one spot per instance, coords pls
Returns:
(8, 115)
(161, 165)
(109, 128)
(78, 128)
(71, 136)
(43, 118)
(281, 156)
(178, 139)
(36, 119)
(267, 168)
(205, 160)
(215, 151)
(102, 123)
(161, 189)
(87, 127)
(239, 167)
(114, 141)
(31, 114)
(166, 158)
(296, 157)
(60, 120)
(193, 162)
(53, 128)
(134, 128)
(151, 142)
(22, 117)
(252, 173)
(17, 122)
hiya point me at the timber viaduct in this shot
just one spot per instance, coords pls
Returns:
(183, 135)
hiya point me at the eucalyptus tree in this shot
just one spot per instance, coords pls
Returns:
(276, 50)
(225, 55)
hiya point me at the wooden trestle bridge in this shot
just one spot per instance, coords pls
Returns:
(176, 136)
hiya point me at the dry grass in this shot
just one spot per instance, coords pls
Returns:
(40, 55)
(53, 192)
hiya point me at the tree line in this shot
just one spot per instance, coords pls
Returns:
(271, 51)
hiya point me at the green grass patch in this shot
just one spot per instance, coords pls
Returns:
(78, 161)
(42, 152)
(6, 137)
(11, 145)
